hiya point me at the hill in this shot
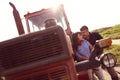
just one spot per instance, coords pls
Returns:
(111, 32)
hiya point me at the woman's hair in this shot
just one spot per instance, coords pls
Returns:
(75, 40)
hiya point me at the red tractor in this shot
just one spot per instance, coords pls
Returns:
(43, 53)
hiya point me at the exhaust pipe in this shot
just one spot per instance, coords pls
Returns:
(17, 19)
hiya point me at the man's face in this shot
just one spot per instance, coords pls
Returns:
(85, 34)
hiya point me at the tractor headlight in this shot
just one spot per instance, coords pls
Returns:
(109, 60)
(103, 43)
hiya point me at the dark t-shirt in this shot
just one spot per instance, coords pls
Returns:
(94, 36)
(92, 39)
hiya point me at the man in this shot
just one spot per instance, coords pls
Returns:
(92, 37)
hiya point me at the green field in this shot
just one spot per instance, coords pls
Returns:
(111, 32)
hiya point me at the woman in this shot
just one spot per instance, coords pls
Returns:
(81, 47)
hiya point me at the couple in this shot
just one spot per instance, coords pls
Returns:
(83, 47)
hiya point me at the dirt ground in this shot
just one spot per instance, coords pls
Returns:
(107, 76)
(117, 41)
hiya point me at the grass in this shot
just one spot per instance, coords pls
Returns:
(114, 49)
(111, 32)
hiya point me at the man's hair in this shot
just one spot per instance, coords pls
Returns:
(83, 28)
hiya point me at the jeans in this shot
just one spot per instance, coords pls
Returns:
(97, 71)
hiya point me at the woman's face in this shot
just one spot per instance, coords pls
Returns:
(80, 37)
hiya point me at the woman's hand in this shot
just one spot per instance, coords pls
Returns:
(84, 58)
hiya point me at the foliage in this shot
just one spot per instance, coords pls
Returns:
(111, 32)
(114, 49)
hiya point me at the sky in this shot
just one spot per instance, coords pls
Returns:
(93, 13)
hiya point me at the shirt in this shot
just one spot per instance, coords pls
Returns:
(93, 37)
(83, 49)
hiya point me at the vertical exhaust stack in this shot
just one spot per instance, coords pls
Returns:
(17, 19)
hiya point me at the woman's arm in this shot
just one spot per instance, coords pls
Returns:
(80, 57)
